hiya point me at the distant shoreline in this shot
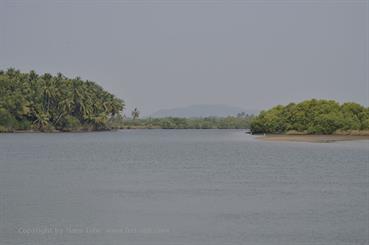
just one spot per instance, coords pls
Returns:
(54, 131)
(104, 130)
(312, 138)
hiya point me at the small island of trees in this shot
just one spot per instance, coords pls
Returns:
(313, 117)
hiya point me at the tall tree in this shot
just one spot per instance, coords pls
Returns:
(135, 114)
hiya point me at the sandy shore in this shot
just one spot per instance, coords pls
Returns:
(312, 138)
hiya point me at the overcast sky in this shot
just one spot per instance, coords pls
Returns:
(163, 54)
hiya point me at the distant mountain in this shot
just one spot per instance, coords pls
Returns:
(202, 111)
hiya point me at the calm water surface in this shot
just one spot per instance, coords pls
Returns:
(181, 187)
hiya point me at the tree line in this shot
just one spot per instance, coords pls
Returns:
(312, 117)
(46, 102)
(29, 101)
(231, 122)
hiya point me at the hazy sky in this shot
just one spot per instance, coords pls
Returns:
(162, 54)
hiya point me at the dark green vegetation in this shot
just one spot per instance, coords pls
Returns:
(29, 101)
(312, 117)
(46, 103)
(231, 122)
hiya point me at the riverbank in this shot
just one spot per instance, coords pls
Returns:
(84, 130)
(313, 138)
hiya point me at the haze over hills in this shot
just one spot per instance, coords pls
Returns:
(202, 111)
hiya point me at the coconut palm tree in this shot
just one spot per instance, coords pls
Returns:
(51, 100)
(135, 114)
(42, 120)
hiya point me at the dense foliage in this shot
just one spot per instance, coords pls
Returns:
(231, 122)
(312, 117)
(46, 102)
